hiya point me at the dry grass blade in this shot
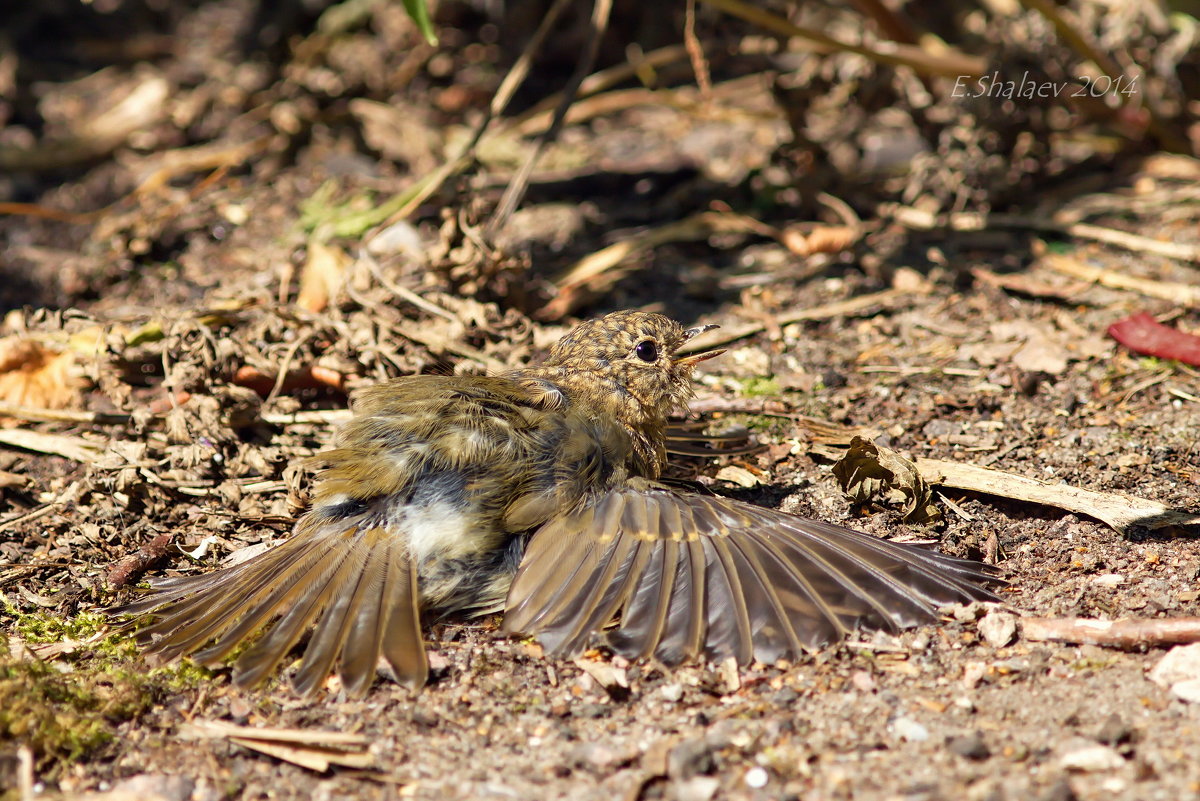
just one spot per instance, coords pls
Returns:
(538, 116)
(512, 196)
(315, 750)
(144, 103)
(975, 221)
(41, 415)
(1183, 294)
(948, 63)
(77, 448)
(439, 344)
(863, 303)
(597, 271)
(407, 202)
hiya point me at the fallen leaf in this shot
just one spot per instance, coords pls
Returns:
(1141, 333)
(821, 239)
(868, 472)
(34, 374)
(322, 276)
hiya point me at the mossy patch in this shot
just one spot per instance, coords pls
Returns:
(66, 708)
(760, 386)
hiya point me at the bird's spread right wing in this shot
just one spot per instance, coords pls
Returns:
(676, 575)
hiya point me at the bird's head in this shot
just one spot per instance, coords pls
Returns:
(636, 355)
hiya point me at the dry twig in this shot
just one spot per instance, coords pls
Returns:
(1129, 633)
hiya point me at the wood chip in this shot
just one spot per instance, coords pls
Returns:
(1119, 511)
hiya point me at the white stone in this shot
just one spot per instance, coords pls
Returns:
(1181, 663)
(1187, 690)
(1091, 759)
(697, 788)
(998, 628)
(757, 778)
(908, 729)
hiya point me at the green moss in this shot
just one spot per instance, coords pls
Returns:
(39, 627)
(760, 386)
(1152, 363)
(66, 708)
(64, 715)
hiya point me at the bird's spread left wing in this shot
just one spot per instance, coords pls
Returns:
(674, 575)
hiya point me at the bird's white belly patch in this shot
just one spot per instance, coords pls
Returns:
(438, 529)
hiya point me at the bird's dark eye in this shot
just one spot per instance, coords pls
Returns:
(647, 351)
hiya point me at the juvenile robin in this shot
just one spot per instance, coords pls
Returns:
(538, 493)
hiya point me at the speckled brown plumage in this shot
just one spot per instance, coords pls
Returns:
(536, 492)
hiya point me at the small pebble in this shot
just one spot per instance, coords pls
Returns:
(1181, 663)
(1187, 690)
(1091, 759)
(596, 755)
(1059, 791)
(998, 628)
(909, 730)
(785, 697)
(401, 237)
(973, 673)
(1114, 730)
(756, 778)
(156, 786)
(690, 758)
(697, 788)
(969, 745)
(862, 681)
(671, 692)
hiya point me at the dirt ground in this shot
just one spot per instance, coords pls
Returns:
(210, 261)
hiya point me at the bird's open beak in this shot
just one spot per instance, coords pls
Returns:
(689, 360)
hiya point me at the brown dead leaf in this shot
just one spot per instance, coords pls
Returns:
(821, 239)
(322, 276)
(34, 374)
(868, 472)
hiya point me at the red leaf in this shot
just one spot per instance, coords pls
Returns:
(1141, 333)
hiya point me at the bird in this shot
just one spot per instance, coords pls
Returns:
(539, 494)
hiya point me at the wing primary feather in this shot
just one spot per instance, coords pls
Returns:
(885, 597)
(364, 637)
(730, 628)
(257, 607)
(695, 613)
(189, 617)
(563, 632)
(772, 632)
(402, 644)
(872, 558)
(265, 655)
(644, 618)
(332, 625)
